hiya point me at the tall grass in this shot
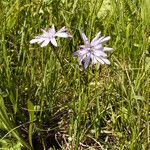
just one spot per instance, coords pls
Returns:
(48, 101)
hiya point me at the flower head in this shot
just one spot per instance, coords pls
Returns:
(93, 51)
(50, 36)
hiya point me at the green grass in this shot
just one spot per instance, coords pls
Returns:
(45, 97)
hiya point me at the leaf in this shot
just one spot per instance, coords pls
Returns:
(31, 116)
(9, 125)
(3, 114)
(10, 144)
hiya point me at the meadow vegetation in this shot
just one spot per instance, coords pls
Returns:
(48, 101)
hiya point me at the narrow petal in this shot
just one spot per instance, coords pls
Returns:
(34, 41)
(53, 41)
(98, 47)
(81, 52)
(85, 39)
(76, 53)
(93, 59)
(96, 37)
(96, 42)
(107, 49)
(63, 29)
(53, 28)
(82, 57)
(45, 43)
(83, 46)
(43, 31)
(102, 40)
(99, 53)
(86, 61)
(63, 34)
(39, 40)
(100, 60)
(106, 61)
(51, 32)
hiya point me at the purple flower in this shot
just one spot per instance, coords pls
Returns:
(93, 51)
(50, 36)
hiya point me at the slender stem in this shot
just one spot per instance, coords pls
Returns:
(60, 61)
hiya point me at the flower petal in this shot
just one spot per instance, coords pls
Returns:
(51, 32)
(63, 34)
(107, 49)
(98, 47)
(86, 61)
(85, 39)
(99, 53)
(34, 41)
(97, 42)
(45, 43)
(53, 41)
(106, 61)
(83, 46)
(82, 57)
(76, 53)
(53, 28)
(104, 39)
(100, 60)
(43, 31)
(39, 40)
(81, 52)
(63, 29)
(93, 59)
(96, 37)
